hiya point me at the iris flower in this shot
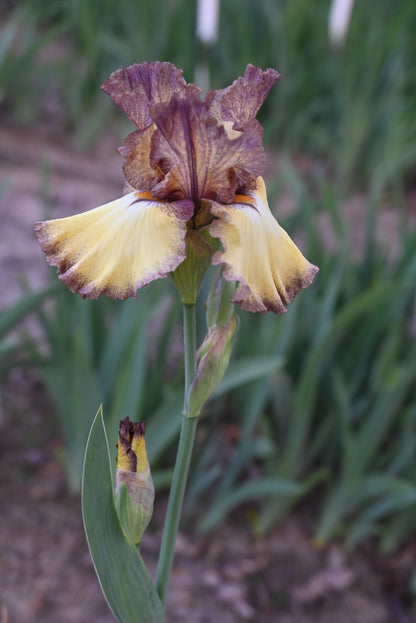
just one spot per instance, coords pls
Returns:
(193, 171)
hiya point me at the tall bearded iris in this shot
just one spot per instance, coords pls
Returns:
(192, 170)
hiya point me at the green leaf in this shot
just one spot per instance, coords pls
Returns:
(250, 491)
(163, 427)
(247, 370)
(16, 312)
(124, 578)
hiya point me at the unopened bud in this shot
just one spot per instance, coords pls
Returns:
(134, 494)
(213, 358)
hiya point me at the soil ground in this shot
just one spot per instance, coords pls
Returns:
(229, 576)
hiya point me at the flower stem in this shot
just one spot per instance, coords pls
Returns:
(183, 459)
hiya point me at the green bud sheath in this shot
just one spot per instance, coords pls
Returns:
(219, 306)
(189, 275)
(214, 354)
(212, 363)
(134, 494)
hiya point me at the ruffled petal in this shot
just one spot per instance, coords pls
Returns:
(240, 102)
(136, 151)
(185, 147)
(137, 89)
(259, 254)
(140, 86)
(197, 157)
(119, 247)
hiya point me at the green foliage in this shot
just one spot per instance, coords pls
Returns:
(62, 52)
(105, 352)
(118, 354)
(10, 318)
(339, 415)
(353, 106)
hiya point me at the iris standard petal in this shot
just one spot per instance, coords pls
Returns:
(184, 146)
(140, 86)
(136, 167)
(240, 102)
(198, 158)
(259, 254)
(119, 247)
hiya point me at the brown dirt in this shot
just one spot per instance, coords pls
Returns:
(45, 569)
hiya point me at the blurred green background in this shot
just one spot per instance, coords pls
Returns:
(319, 405)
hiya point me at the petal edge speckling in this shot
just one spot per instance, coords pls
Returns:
(259, 254)
(118, 247)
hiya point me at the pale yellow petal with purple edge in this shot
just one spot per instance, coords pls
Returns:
(119, 247)
(259, 254)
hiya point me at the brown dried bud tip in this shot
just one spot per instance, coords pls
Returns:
(131, 447)
(134, 493)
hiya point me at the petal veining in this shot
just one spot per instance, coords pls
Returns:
(119, 247)
(136, 151)
(259, 254)
(138, 87)
(197, 157)
(240, 102)
(185, 147)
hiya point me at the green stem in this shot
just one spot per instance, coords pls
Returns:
(183, 459)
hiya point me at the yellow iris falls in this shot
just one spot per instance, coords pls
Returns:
(191, 165)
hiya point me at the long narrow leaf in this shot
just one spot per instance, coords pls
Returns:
(250, 491)
(124, 578)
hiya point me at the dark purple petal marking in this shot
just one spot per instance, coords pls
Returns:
(198, 158)
(182, 147)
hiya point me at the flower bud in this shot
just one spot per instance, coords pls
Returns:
(134, 494)
(213, 358)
